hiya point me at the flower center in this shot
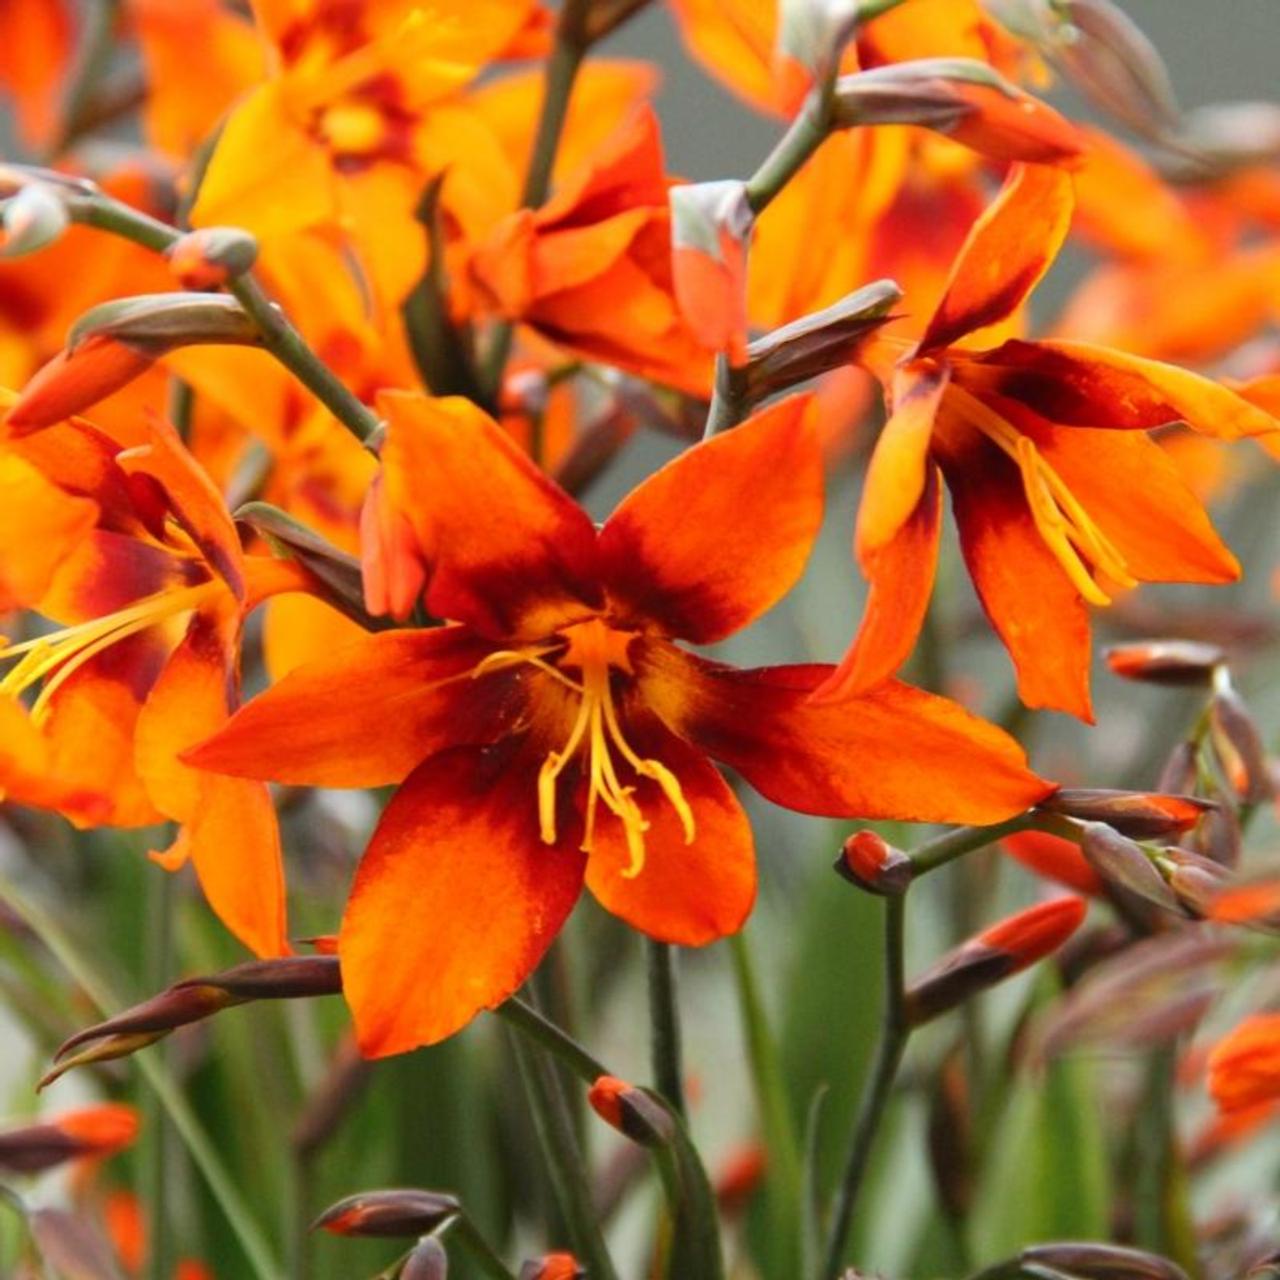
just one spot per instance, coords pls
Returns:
(596, 650)
(52, 659)
(1066, 527)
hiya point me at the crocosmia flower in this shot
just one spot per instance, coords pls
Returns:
(553, 733)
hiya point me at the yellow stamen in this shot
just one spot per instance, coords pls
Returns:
(597, 730)
(54, 658)
(1068, 530)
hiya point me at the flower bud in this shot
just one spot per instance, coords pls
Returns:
(89, 1131)
(394, 1212)
(1238, 745)
(1089, 1261)
(710, 229)
(1230, 135)
(552, 1266)
(427, 1261)
(1123, 863)
(815, 344)
(1142, 815)
(740, 1177)
(1195, 880)
(1244, 1066)
(14, 178)
(211, 256)
(33, 218)
(112, 344)
(1252, 902)
(988, 958)
(287, 978)
(873, 864)
(1175, 662)
(634, 1112)
(964, 99)
(1055, 858)
(1113, 63)
(1180, 772)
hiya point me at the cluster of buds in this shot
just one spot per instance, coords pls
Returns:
(988, 958)
(636, 1113)
(193, 1000)
(95, 1131)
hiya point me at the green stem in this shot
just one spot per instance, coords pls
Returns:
(894, 1032)
(481, 1251)
(807, 132)
(664, 1024)
(955, 844)
(279, 336)
(562, 70)
(785, 1178)
(564, 1160)
(153, 1145)
(161, 1081)
(541, 1030)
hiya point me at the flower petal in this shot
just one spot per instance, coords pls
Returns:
(901, 575)
(1078, 384)
(719, 535)
(1029, 599)
(455, 900)
(1009, 248)
(509, 552)
(899, 466)
(688, 894)
(893, 752)
(368, 714)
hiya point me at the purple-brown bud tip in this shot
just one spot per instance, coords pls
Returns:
(394, 1212)
(100, 1130)
(870, 862)
(1090, 1261)
(634, 1112)
(1124, 864)
(1142, 815)
(427, 1261)
(1176, 662)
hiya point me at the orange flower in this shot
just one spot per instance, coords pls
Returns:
(591, 269)
(1060, 495)
(145, 568)
(554, 734)
(38, 42)
(1244, 1066)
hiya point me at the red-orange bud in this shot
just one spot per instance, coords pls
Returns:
(552, 1266)
(634, 1112)
(211, 256)
(870, 862)
(88, 1131)
(75, 379)
(1055, 858)
(1141, 815)
(1244, 1066)
(1175, 662)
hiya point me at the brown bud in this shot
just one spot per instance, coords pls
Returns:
(1090, 1261)
(1238, 745)
(1196, 880)
(394, 1212)
(98, 1130)
(635, 1112)
(427, 1261)
(1180, 772)
(1220, 836)
(998, 952)
(552, 1266)
(873, 864)
(211, 256)
(1175, 662)
(1124, 863)
(815, 344)
(1141, 815)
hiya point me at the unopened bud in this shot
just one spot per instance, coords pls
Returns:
(287, 978)
(1181, 771)
(964, 99)
(1244, 1066)
(1220, 836)
(14, 178)
(710, 228)
(870, 862)
(815, 344)
(991, 956)
(1255, 902)
(89, 1131)
(1089, 1261)
(1229, 135)
(1175, 662)
(427, 1261)
(1143, 815)
(1238, 745)
(1125, 864)
(633, 1111)
(552, 1266)
(33, 218)
(112, 344)
(1055, 858)
(740, 1177)
(394, 1212)
(1113, 63)
(1196, 881)
(211, 256)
